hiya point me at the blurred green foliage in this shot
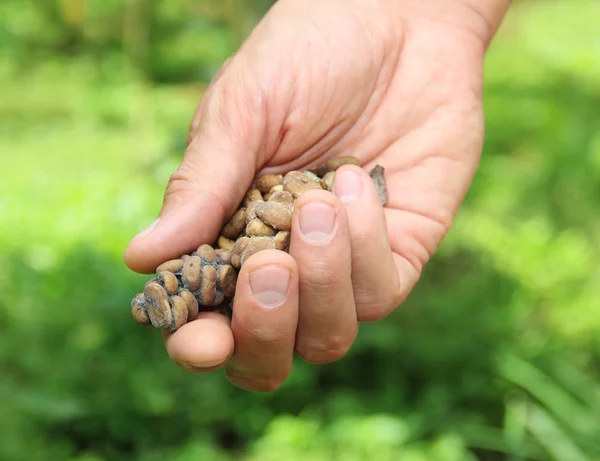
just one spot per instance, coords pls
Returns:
(495, 356)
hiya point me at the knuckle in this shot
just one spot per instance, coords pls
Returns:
(264, 338)
(324, 350)
(320, 278)
(179, 182)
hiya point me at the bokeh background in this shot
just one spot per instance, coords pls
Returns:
(495, 356)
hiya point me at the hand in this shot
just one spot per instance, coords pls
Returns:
(392, 82)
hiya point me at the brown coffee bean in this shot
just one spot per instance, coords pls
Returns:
(208, 287)
(275, 215)
(297, 183)
(240, 246)
(138, 309)
(169, 281)
(252, 195)
(180, 313)
(224, 243)
(235, 225)
(313, 177)
(238, 250)
(172, 266)
(251, 210)
(282, 240)
(334, 163)
(255, 245)
(157, 305)
(273, 190)
(257, 228)
(379, 181)
(227, 280)
(206, 252)
(192, 303)
(328, 180)
(283, 197)
(266, 182)
(191, 273)
(224, 255)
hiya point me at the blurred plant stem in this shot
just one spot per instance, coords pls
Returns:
(136, 46)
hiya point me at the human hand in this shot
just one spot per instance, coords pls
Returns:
(392, 82)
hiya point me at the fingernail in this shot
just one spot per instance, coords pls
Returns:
(201, 366)
(317, 221)
(269, 285)
(347, 186)
(148, 229)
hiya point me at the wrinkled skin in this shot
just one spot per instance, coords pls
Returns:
(395, 83)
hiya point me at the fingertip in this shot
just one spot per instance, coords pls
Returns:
(350, 183)
(137, 260)
(269, 258)
(318, 195)
(182, 228)
(202, 345)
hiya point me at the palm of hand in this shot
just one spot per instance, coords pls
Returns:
(390, 85)
(353, 82)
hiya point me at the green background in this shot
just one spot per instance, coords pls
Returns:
(495, 356)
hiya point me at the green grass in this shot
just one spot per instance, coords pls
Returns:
(494, 357)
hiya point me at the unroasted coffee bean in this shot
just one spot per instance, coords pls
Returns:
(297, 183)
(255, 245)
(313, 177)
(251, 210)
(224, 255)
(235, 225)
(275, 215)
(191, 301)
(157, 305)
(238, 250)
(328, 180)
(191, 273)
(208, 286)
(169, 281)
(179, 311)
(227, 277)
(206, 278)
(138, 309)
(273, 190)
(334, 163)
(257, 228)
(207, 252)
(171, 266)
(282, 240)
(377, 177)
(266, 182)
(224, 243)
(253, 195)
(283, 197)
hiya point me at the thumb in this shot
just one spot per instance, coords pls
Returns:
(217, 169)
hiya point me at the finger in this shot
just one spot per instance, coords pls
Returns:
(320, 244)
(217, 168)
(375, 278)
(265, 315)
(202, 345)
